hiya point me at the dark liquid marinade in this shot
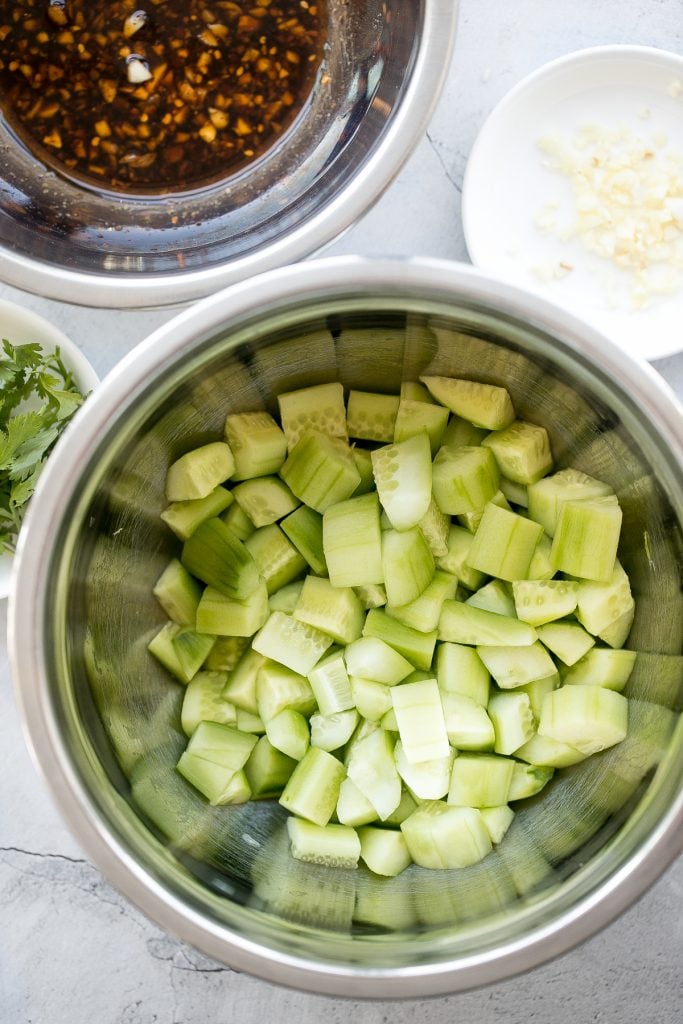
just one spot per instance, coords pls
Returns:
(156, 95)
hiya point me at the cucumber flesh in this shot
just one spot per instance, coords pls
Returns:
(180, 650)
(494, 597)
(586, 538)
(183, 517)
(372, 768)
(464, 479)
(484, 405)
(203, 701)
(567, 640)
(313, 788)
(352, 807)
(602, 666)
(178, 594)
(278, 687)
(522, 451)
(547, 496)
(403, 477)
(541, 601)
(371, 417)
(318, 408)
(467, 723)
(240, 688)
(504, 544)
(257, 443)
(441, 836)
(372, 658)
(415, 646)
(420, 719)
(291, 643)
(334, 846)
(352, 542)
(435, 525)
(304, 528)
(424, 612)
(277, 561)
(222, 616)
(335, 611)
(372, 700)
(428, 780)
(497, 821)
(460, 671)
(288, 732)
(480, 780)
(600, 605)
(385, 852)
(330, 684)
(455, 561)
(195, 475)
(589, 718)
(331, 732)
(528, 780)
(517, 666)
(268, 770)
(462, 624)
(217, 557)
(407, 563)
(512, 720)
(415, 416)
(542, 751)
(320, 471)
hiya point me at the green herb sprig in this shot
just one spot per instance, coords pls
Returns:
(38, 396)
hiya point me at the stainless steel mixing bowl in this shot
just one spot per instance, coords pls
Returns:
(384, 66)
(103, 719)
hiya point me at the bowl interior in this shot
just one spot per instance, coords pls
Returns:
(368, 66)
(118, 712)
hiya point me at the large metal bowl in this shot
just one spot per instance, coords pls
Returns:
(103, 719)
(384, 66)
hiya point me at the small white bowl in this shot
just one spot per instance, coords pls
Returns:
(21, 327)
(507, 188)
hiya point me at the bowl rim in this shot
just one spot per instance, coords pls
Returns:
(401, 137)
(308, 281)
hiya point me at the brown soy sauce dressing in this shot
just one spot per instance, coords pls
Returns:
(156, 96)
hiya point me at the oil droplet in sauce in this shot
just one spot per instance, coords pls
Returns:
(156, 96)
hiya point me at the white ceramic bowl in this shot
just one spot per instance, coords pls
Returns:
(507, 187)
(22, 326)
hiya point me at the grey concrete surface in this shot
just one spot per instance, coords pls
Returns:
(72, 950)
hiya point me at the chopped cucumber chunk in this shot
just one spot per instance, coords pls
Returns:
(292, 643)
(480, 780)
(484, 405)
(372, 699)
(385, 852)
(238, 521)
(352, 807)
(248, 722)
(258, 445)
(225, 653)
(522, 451)
(464, 479)
(333, 610)
(196, 474)
(203, 701)
(278, 687)
(278, 561)
(497, 821)
(600, 605)
(288, 732)
(541, 750)
(424, 612)
(512, 719)
(372, 658)
(416, 647)
(541, 601)
(435, 525)
(538, 689)
(441, 836)
(420, 719)
(547, 496)
(373, 769)
(225, 616)
(589, 718)
(460, 670)
(334, 846)
(471, 520)
(215, 556)
(331, 732)
(494, 597)
(330, 684)
(319, 408)
(403, 477)
(363, 459)
(455, 561)
(304, 527)
(313, 787)
(567, 640)
(320, 471)
(467, 723)
(180, 650)
(372, 596)
(240, 688)
(516, 666)
(426, 780)
(528, 780)
(461, 433)
(414, 416)
(352, 542)
(268, 770)
(516, 494)
(541, 566)
(462, 624)
(407, 565)
(183, 517)
(586, 538)
(178, 593)
(602, 666)
(504, 544)
(371, 417)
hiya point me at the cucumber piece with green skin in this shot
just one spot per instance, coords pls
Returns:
(407, 563)
(516, 494)
(291, 643)
(373, 596)
(484, 405)
(405, 808)
(480, 780)
(248, 722)
(286, 598)
(288, 732)
(353, 808)
(372, 658)
(424, 612)
(183, 517)
(238, 521)
(320, 471)
(180, 650)
(541, 601)
(331, 732)
(455, 561)
(372, 699)
(178, 594)
(618, 632)
(304, 528)
(602, 666)
(467, 723)
(522, 451)
(441, 836)
(497, 821)
(567, 640)
(428, 780)
(333, 610)
(372, 768)
(600, 605)
(471, 520)
(420, 718)
(319, 408)
(512, 720)
(352, 542)
(385, 852)
(435, 525)
(538, 689)
(493, 597)
(544, 752)
(225, 653)
(268, 770)
(415, 392)
(203, 701)
(258, 445)
(462, 624)
(460, 433)
(414, 646)
(277, 560)
(515, 666)
(223, 616)
(504, 544)
(528, 780)
(330, 684)
(313, 788)
(220, 785)
(371, 416)
(363, 460)
(464, 479)
(240, 688)
(460, 671)
(221, 744)
(414, 416)
(547, 496)
(278, 687)
(195, 475)
(541, 566)
(589, 718)
(333, 846)
(587, 537)
(403, 478)
(215, 556)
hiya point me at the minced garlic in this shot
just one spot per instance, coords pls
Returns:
(628, 205)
